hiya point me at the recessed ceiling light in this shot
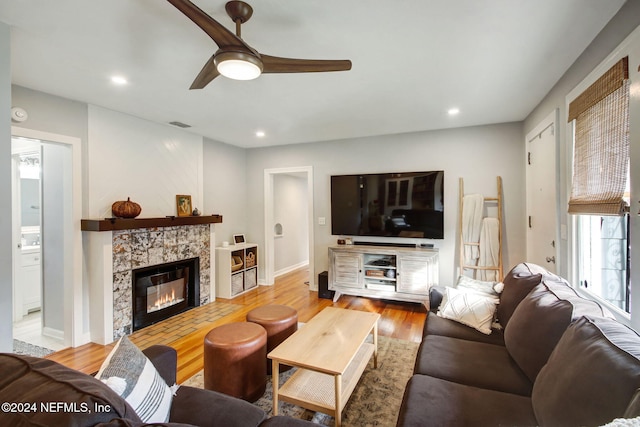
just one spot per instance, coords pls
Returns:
(260, 134)
(453, 111)
(118, 80)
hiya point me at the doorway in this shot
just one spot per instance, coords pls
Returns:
(47, 242)
(277, 230)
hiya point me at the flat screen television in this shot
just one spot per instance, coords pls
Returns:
(406, 204)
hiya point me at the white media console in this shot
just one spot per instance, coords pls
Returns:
(395, 273)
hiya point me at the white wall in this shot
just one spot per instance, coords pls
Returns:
(478, 154)
(291, 249)
(6, 269)
(53, 114)
(149, 162)
(619, 27)
(225, 188)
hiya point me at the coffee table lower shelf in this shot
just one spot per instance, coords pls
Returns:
(317, 391)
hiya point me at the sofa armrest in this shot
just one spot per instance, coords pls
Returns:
(165, 360)
(205, 408)
(435, 297)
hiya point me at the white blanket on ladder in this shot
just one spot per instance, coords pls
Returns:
(472, 208)
(489, 249)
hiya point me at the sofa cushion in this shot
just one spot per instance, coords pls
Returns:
(209, 408)
(591, 376)
(435, 325)
(472, 363)
(31, 380)
(141, 384)
(540, 320)
(469, 308)
(517, 284)
(430, 401)
(165, 360)
(123, 422)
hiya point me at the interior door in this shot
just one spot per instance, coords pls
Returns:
(17, 245)
(541, 196)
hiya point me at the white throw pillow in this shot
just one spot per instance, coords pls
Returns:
(486, 288)
(132, 375)
(498, 287)
(469, 308)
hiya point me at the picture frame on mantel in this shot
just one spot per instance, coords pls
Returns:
(183, 205)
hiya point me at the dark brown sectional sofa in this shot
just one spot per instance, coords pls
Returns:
(26, 381)
(560, 360)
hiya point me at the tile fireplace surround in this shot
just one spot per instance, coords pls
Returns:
(112, 257)
(146, 247)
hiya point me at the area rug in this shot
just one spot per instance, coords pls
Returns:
(376, 399)
(25, 348)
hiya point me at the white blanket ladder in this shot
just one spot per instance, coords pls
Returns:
(497, 203)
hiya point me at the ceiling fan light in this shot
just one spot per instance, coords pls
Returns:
(238, 65)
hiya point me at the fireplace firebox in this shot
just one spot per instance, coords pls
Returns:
(164, 290)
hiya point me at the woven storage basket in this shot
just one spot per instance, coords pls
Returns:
(250, 259)
(236, 263)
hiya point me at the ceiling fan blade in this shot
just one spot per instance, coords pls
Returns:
(274, 64)
(218, 32)
(206, 75)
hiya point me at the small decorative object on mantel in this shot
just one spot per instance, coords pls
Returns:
(183, 205)
(126, 209)
(195, 212)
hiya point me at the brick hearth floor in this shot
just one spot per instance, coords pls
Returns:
(181, 325)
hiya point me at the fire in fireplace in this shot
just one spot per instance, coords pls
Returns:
(165, 295)
(164, 290)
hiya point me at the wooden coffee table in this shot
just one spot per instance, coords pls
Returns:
(331, 353)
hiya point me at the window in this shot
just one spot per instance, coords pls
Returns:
(603, 257)
(600, 186)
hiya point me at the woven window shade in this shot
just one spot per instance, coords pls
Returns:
(601, 144)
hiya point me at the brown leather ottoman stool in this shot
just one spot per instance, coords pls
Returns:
(234, 360)
(280, 321)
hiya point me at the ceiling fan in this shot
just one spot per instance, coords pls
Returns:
(235, 58)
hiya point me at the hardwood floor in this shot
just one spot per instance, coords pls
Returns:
(398, 320)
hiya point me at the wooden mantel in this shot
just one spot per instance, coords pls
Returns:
(113, 224)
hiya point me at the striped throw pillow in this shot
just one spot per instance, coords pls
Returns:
(132, 375)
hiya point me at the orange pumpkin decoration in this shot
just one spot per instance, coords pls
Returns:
(128, 209)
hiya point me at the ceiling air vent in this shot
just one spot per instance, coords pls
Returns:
(180, 124)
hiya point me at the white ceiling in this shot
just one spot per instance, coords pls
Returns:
(412, 60)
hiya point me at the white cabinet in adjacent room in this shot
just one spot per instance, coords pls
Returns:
(29, 280)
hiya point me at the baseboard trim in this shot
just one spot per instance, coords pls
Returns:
(291, 268)
(53, 333)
